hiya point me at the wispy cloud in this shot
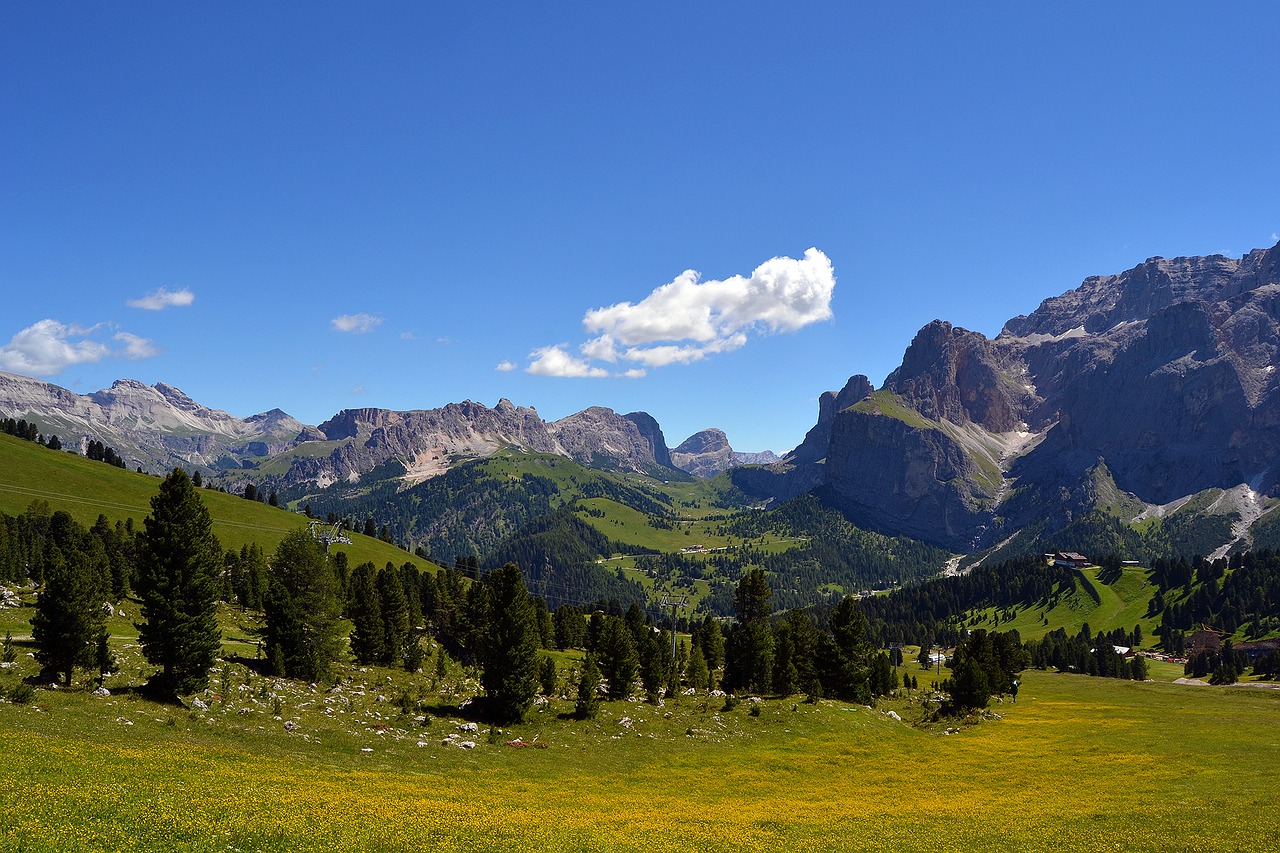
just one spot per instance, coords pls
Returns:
(689, 319)
(135, 348)
(505, 366)
(554, 361)
(162, 298)
(48, 347)
(356, 324)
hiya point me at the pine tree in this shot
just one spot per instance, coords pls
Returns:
(69, 617)
(547, 675)
(617, 657)
(786, 677)
(588, 704)
(178, 582)
(512, 640)
(697, 673)
(365, 610)
(711, 639)
(303, 631)
(749, 647)
(395, 614)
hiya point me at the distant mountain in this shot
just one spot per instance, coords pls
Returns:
(158, 427)
(1139, 412)
(1125, 398)
(152, 426)
(707, 453)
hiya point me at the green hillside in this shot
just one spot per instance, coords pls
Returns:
(1122, 603)
(87, 489)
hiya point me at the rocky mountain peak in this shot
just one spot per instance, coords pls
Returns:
(706, 441)
(950, 373)
(652, 433)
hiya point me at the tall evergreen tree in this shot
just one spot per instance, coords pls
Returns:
(616, 657)
(588, 704)
(786, 676)
(178, 582)
(749, 646)
(69, 617)
(697, 674)
(303, 631)
(395, 615)
(510, 676)
(365, 610)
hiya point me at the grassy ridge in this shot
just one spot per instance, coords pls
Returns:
(85, 489)
(1120, 604)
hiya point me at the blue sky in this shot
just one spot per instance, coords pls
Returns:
(323, 206)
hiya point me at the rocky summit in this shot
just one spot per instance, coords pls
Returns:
(1158, 382)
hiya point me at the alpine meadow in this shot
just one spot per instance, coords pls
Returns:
(879, 446)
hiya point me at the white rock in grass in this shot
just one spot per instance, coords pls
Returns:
(467, 744)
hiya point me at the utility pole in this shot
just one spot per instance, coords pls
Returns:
(669, 600)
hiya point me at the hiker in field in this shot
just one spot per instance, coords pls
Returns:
(1013, 689)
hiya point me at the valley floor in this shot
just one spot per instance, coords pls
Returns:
(1076, 764)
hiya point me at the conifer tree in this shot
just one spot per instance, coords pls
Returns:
(697, 674)
(69, 618)
(786, 676)
(178, 582)
(365, 611)
(547, 675)
(303, 610)
(749, 647)
(395, 614)
(588, 704)
(617, 657)
(512, 640)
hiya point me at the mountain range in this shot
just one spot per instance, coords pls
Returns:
(1142, 404)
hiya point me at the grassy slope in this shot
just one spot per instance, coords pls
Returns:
(86, 489)
(1193, 766)
(1121, 604)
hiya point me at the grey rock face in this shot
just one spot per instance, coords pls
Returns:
(704, 454)
(1164, 375)
(602, 438)
(652, 433)
(156, 427)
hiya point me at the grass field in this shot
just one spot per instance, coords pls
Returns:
(1076, 764)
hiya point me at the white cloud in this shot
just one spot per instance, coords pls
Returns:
(554, 361)
(162, 298)
(48, 347)
(408, 336)
(505, 366)
(688, 319)
(1275, 238)
(634, 373)
(357, 324)
(136, 348)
